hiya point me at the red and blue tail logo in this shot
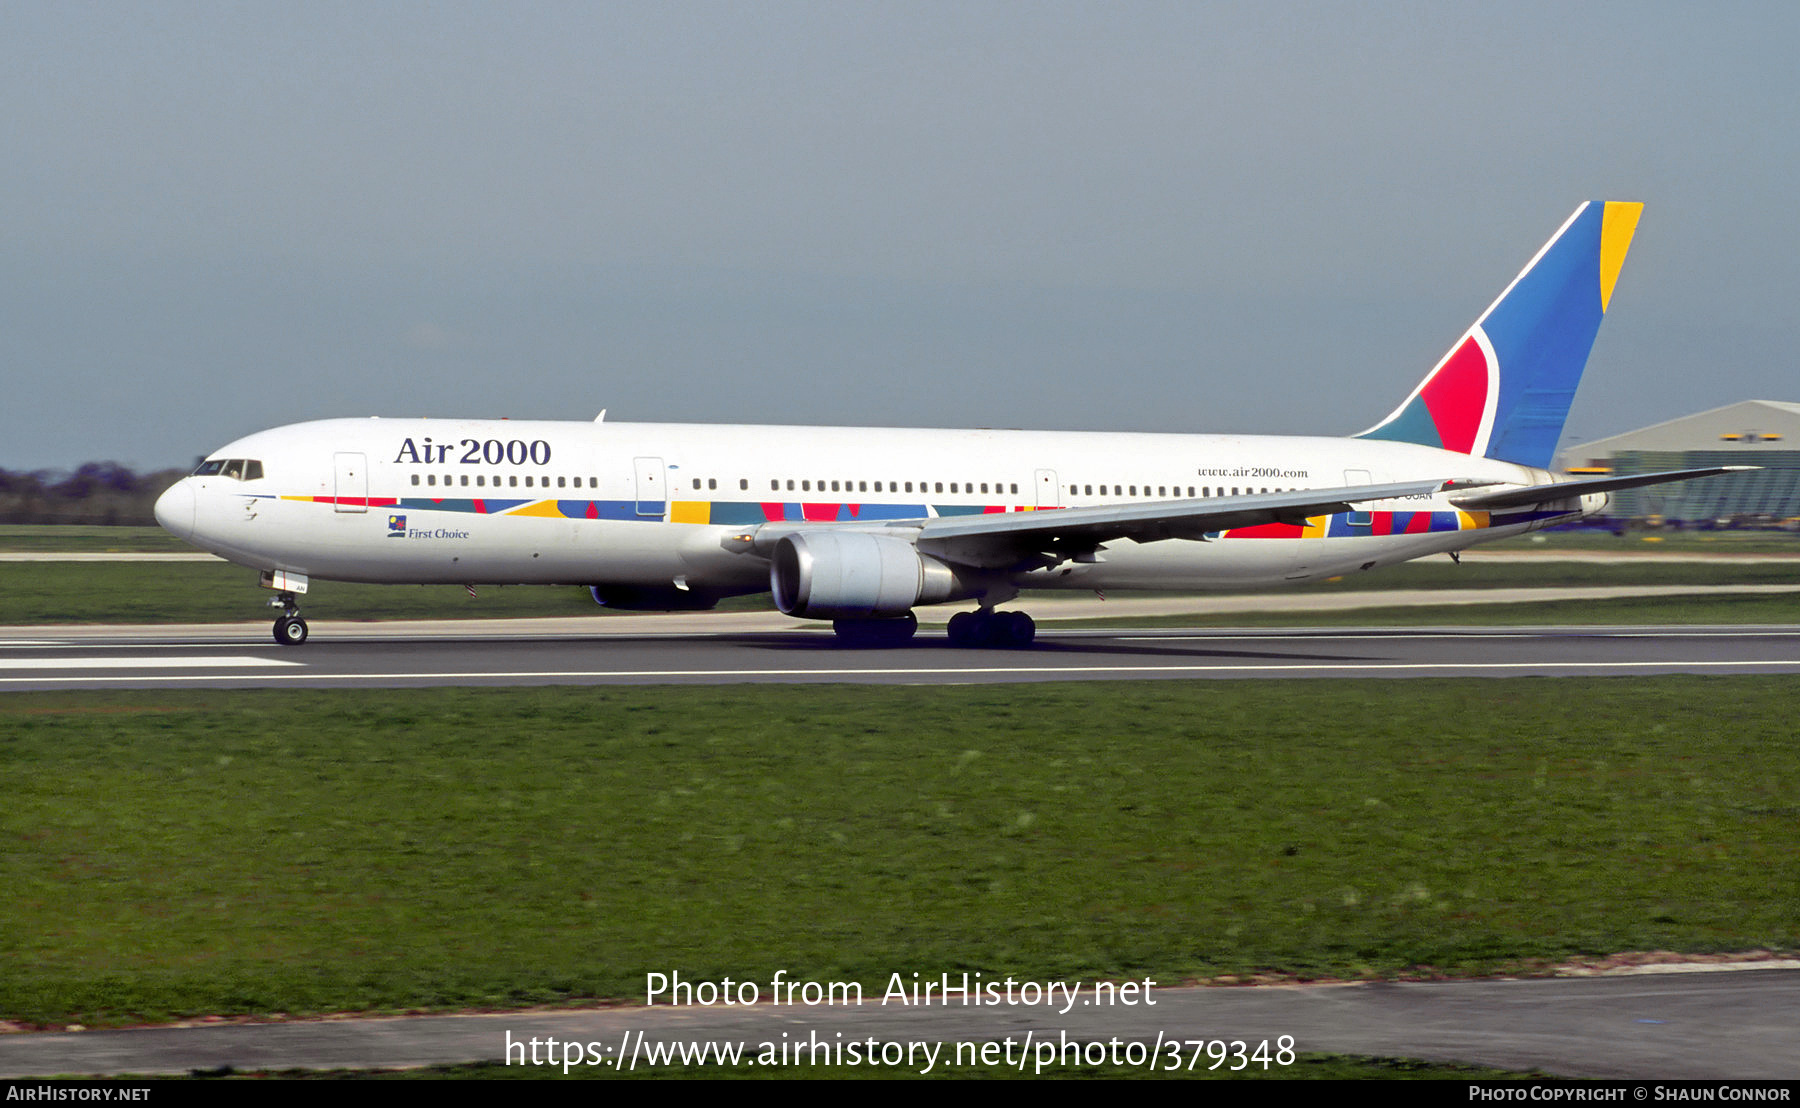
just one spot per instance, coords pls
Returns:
(1505, 388)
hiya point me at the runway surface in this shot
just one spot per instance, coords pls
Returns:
(605, 652)
(1720, 1025)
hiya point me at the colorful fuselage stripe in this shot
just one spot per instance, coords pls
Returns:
(740, 513)
(1346, 525)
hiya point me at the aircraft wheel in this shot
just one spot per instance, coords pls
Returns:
(290, 630)
(1017, 630)
(993, 630)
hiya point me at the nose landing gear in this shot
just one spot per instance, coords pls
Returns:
(290, 628)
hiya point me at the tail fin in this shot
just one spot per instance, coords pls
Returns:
(1505, 388)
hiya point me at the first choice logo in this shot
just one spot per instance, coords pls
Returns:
(474, 452)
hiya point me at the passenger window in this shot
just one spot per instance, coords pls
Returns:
(712, 482)
(431, 479)
(465, 480)
(415, 479)
(481, 480)
(940, 486)
(513, 482)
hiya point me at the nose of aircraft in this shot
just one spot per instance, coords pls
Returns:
(175, 510)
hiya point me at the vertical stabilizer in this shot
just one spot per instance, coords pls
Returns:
(1504, 390)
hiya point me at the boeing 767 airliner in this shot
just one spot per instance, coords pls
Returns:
(861, 525)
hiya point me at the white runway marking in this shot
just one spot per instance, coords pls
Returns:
(1343, 668)
(142, 663)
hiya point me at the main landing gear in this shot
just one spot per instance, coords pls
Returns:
(290, 629)
(983, 628)
(988, 628)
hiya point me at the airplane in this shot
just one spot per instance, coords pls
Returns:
(860, 525)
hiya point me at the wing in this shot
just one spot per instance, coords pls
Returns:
(1015, 540)
(1019, 541)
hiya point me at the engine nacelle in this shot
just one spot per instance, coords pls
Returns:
(854, 574)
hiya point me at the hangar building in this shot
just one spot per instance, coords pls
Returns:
(1763, 433)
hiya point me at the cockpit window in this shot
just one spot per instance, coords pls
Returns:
(238, 469)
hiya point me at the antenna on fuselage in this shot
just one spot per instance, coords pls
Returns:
(601, 418)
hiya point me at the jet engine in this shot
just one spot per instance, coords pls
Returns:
(855, 575)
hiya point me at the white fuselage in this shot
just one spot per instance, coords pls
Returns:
(659, 505)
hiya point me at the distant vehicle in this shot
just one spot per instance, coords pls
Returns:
(861, 525)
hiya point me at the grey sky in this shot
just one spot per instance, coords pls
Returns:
(1256, 217)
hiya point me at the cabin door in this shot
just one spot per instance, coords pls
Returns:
(652, 499)
(351, 491)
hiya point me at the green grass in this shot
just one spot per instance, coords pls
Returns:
(207, 592)
(259, 852)
(79, 539)
(1660, 541)
(1441, 573)
(216, 592)
(1699, 609)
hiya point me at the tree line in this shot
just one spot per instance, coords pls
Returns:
(103, 493)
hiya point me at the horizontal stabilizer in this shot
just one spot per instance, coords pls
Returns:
(1563, 490)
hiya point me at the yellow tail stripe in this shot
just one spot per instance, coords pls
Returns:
(1616, 228)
